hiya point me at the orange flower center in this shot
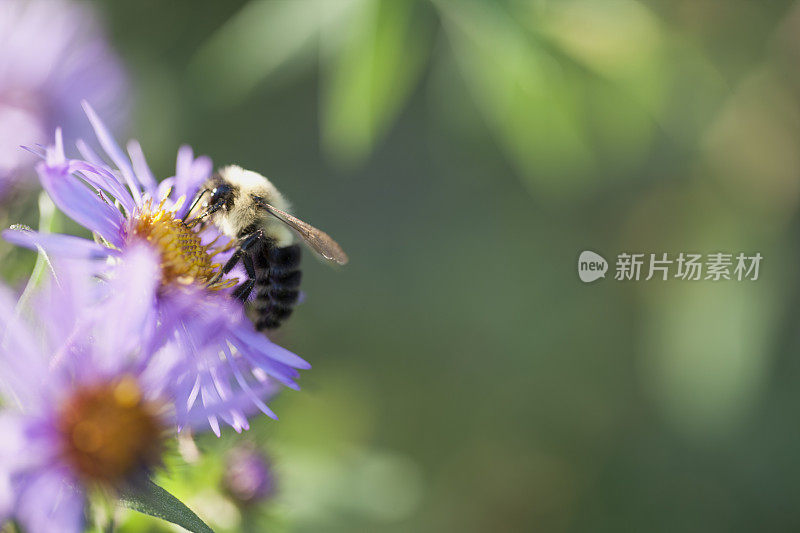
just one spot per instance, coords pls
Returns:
(184, 259)
(109, 432)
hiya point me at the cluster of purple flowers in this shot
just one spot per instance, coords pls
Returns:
(135, 333)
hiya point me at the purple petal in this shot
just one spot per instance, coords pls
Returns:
(269, 349)
(108, 181)
(81, 204)
(102, 178)
(88, 154)
(253, 395)
(127, 319)
(201, 170)
(37, 151)
(280, 372)
(12, 445)
(218, 399)
(164, 188)
(141, 168)
(193, 395)
(22, 365)
(61, 308)
(55, 155)
(57, 244)
(208, 397)
(18, 452)
(50, 503)
(183, 171)
(224, 394)
(114, 151)
(190, 173)
(200, 416)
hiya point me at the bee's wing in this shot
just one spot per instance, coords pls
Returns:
(317, 239)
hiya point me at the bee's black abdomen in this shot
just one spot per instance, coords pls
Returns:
(278, 277)
(285, 259)
(284, 296)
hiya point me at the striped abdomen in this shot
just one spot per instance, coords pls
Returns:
(278, 278)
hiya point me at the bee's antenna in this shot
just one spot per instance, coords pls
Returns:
(183, 219)
(208, 212)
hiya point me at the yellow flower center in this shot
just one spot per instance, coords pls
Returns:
(109, 432)
(184, 259)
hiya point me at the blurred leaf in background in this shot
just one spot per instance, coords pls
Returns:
(569, 88)
(382, 51)
(263, 37)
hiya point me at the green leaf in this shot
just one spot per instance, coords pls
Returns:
(263, 37)
(152, 500)
(620, 40)
(376, 62)
(530, 100)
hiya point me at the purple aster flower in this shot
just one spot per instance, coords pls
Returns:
(248, 475)
(223, 367)
(53, 54)
(79, 411)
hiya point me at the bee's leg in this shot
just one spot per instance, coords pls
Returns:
(246, 243)
(228, 266)
(243, 291)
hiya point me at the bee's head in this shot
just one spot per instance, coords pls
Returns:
(212, 200)
(221, 196)
(218, 195)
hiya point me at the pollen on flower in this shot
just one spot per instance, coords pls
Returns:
(108, 432)
(185, 260)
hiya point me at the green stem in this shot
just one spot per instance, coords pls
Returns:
(47, 223)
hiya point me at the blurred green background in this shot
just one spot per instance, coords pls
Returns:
(464, 153)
